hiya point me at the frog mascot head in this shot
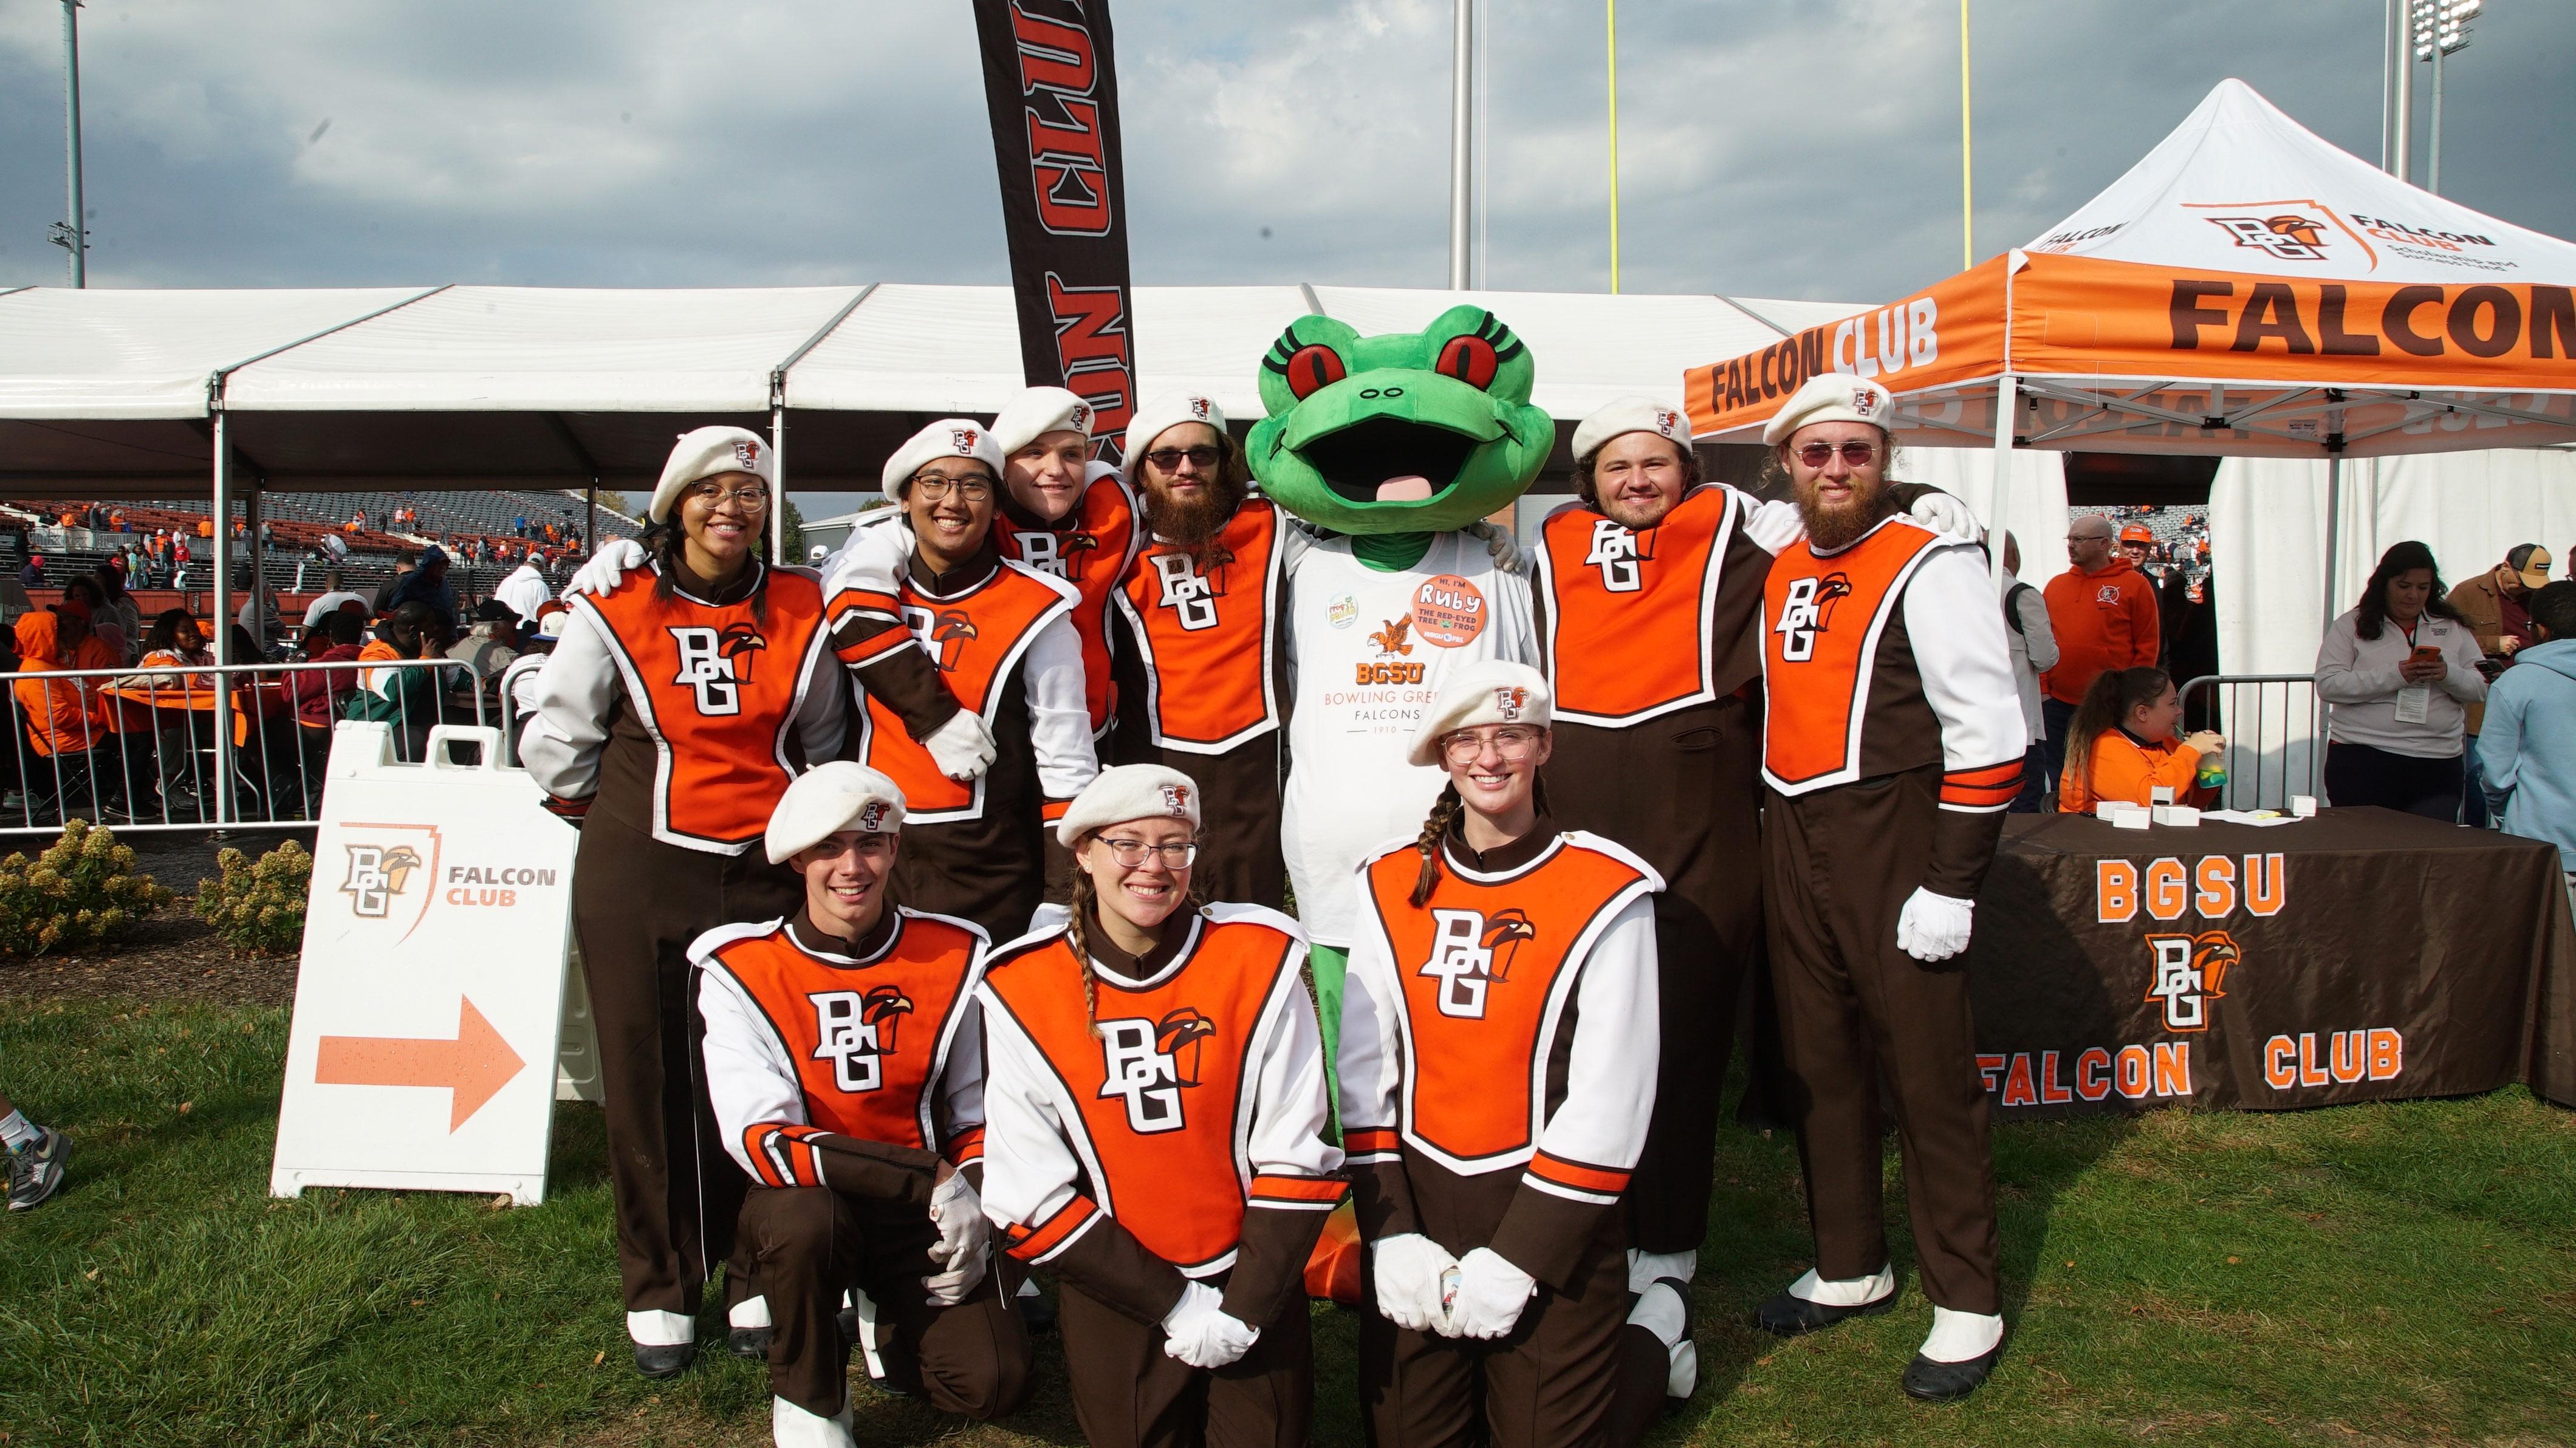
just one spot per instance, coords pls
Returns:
(1405, 433)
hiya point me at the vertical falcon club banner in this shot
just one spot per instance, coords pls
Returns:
(1053, 92)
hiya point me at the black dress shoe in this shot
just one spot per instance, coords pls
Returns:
(848, 1318)
(656, 1360)
(1948, 1382)
(1036, 1313)
(1788, 1314)
(751, 1343)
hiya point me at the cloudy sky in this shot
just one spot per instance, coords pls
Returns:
(1768, 149)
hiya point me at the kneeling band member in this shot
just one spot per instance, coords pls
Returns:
(1498, 1055)
(845, 1060)
(1156, 1138)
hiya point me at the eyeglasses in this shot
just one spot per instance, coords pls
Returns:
(933, 487)
(1131, 853)
(871, 846)
(1467, 746)
(1856, 454)
(1169, 458)
(751, 499)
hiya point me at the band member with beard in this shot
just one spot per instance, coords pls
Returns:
(670, 718)
(1156, 1112)
(1067, 517)
(1001, 635)
(1892, 743)
(1197, 645)
(845, 1062)
(1498, 1055)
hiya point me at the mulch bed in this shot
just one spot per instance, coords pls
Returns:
(173, 956)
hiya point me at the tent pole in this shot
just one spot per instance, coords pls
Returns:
(2334, 525)
(778, 464)
(590, 519)
(2405, 149)
(220, 625)
(2007, 407)
(251, 504)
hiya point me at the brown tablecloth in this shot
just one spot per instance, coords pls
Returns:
(2364, 955)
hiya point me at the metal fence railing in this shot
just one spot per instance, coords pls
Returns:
(242, 745)
(2276, 734)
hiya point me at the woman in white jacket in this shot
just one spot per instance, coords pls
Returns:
(2397, 670)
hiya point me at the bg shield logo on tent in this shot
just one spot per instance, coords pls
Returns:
(2287, 235)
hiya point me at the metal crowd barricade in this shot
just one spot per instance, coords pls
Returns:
(155, 750)
(2276, 735)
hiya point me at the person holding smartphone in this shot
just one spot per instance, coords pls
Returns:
(2398, 670)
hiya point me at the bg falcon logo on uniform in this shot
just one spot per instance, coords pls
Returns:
(1614, 552)
(1149, 1063)
(715, 664)
(1184, 591)
(1470, 953)
(856, 1032)
(1808, 612)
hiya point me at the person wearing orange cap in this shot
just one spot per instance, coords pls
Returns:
(2138, 545)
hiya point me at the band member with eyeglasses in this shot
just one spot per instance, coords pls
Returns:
(1200, 661)
(845, 1062)
(1067, 517)
(1155, 1138)
(1892, 745)
(1498, 1055)
(670, 718)
(1001, 635)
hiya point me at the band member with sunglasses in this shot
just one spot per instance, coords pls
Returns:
(1155, 1138)
(1498, 1057)
(1892, 744)
(1200, 662)
(1067, 517)
(1001, 635)
(845, 1063)
(670, 718)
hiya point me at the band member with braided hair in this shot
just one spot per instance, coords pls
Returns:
(1498, 1055)
(1155, 1132)
(670, 718)
(845, 1062)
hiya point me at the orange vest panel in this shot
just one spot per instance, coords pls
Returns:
(869, 1042)
(1161, 1087)
(975, 640)
(718, 688)
(1090, 556)
(1821, 622)
(1205, 627)
(1480, 966)
(1617, 599)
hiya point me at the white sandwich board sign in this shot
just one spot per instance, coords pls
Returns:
(429, 1004)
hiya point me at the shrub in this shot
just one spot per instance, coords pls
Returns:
(258, 905)
(80, 894)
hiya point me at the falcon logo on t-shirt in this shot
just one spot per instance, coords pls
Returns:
(1808, 612)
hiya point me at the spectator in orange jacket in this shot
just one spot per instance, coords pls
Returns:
(2103, 611)
(70, 717)
(2121, 746)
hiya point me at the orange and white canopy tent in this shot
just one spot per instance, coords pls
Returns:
(2246, 289)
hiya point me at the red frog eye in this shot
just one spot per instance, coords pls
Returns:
(1314, 367)
(1469, 359)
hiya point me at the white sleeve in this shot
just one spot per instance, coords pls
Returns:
(575, 692)
(2036, 635)
(1771, 526)
(2461, 654)
(822, 718)
(1370, 1059)
(871, 561)
(961, 1089)
(1059, 712)
(1030, 1173)
(1288, 1115)
(1517, 617)
(2341, 679)
(750, 1080)
(1965, 660)
(1610, 1074)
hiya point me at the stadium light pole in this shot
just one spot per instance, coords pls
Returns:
(1614, 145)
(72, 235)
(1967, 157)
(1462, 123)
(2441, 27)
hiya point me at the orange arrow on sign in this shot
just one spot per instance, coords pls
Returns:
(475, 1065)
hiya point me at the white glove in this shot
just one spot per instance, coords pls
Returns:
(1491, 1294)
(948, 1286)
(1198, 1332)
(962, 747)
(1773, 526)
(601, 574)
(1500, 545)
(1945, 514)
(963, 1232)
(1934, 927)
(1408, 1269)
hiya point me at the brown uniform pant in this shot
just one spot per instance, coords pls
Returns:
(1684, 791)
(1239, 851)
(1550, 1382)
(637, 904)
(810, 1244)
(1854, 1009)
(1127, 1393)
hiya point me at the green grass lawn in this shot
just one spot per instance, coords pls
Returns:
(2399, 1274)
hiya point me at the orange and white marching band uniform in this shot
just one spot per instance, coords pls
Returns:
(1498, 1056)
(1089, 547)
(1171, 1136)
(676, 720)
(1892, 744)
